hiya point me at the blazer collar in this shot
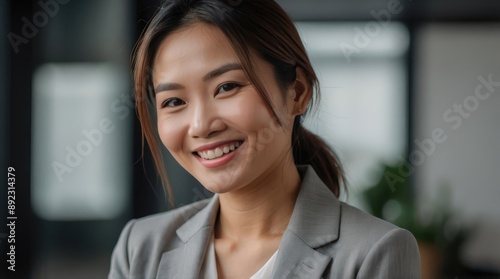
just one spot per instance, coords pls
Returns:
(204, 218)
(314, 223)
(316, 214)
(186, 260)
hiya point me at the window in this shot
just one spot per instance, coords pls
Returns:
(362, 114)
(81, 141)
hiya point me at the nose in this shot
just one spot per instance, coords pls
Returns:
(205, 120)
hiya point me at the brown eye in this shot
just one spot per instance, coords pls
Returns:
(227, 87)
(172, 102)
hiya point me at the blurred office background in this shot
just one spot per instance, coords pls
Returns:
(411, 102)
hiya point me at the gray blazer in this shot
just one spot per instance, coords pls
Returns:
(325, 238)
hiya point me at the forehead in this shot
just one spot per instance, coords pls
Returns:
(194, 47)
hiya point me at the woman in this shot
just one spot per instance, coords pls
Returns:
(229, 82)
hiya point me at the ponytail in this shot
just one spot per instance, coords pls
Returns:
(310, 149)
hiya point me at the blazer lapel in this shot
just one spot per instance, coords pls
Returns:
(185, 261)
(314, 223)
(297, 260)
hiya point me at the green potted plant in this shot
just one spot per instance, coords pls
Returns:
(438, 236)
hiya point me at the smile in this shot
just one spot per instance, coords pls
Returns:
(219, 151)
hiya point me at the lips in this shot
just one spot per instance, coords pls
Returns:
(219, 151)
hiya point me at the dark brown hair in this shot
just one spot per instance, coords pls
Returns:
(252, 26)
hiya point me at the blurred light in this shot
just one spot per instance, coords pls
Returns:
(81, 141)
(362, 113)
(328, 38)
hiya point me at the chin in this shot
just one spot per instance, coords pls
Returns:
(221, 184)
(223, 180)
(219, 188)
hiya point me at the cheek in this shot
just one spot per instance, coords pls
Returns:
(262, 130)
(171, 134)
(249, 113)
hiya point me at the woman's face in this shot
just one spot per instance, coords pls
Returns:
(211, 118)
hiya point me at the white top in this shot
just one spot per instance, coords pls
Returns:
(209, 267)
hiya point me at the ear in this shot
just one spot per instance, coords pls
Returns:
(301, 92)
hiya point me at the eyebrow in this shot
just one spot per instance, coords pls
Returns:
(211, 75)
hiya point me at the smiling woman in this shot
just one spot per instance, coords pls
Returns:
(205, 104)
(229, 83)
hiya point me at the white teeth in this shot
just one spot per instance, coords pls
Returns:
(219, 151)
(210, 154)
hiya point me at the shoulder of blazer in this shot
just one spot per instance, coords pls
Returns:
(354, 219)
(143, 241)
(369, 244)
(160, 229)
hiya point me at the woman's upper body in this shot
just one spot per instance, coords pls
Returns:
(325, 238)
(229, 82)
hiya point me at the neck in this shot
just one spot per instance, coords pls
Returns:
(262, 209)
